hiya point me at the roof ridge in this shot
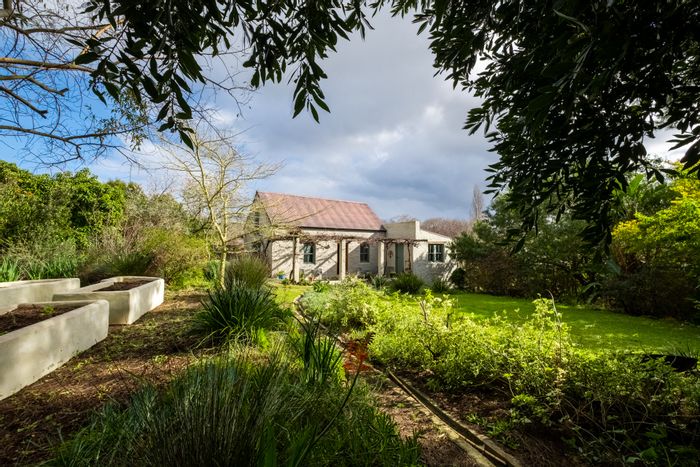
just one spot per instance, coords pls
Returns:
(313, 197)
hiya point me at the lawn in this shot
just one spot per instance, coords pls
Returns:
(287, 293)
(594, 328)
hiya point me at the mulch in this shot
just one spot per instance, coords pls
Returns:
(151, 351)
(25, 315)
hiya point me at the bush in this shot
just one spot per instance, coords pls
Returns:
(458, 278)
(9, 270)
(348, 305)
(43, 257)
(210, 271)
(379, 282)
(249, 270)
(175, 256)
(249, 411)
(321, 286)
(407, 282)
(440, 286)
(605, 403)
(238, 312)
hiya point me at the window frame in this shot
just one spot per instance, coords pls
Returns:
(363, 259)
(307, 253)
(436, 252)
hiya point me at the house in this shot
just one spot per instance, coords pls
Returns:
(324, 238)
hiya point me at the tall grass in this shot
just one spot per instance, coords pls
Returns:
(249, 270)
(248, 410)
(9, 270)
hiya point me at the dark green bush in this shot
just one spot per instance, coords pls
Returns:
(247, 411)
(250, 270)
(458, 278)
(440, 285)
(406, 282)
(238, 312)
(211, 270)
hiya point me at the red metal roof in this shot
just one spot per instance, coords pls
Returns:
(319, 213)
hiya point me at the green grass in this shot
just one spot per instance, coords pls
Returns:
(594, 328)
(287, 293)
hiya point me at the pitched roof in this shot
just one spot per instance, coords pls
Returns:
(303, 211)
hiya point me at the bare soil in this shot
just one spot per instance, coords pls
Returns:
(25, 315)
(478, 409)
(124, 285)
(437, 449)
(151, 351)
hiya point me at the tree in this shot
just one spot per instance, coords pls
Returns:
(216, 176)
(570, 92)
(477, 208)
(47, 71)
(658, 255)
(448, 227)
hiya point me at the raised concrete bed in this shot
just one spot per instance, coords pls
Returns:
(12, 293)
(33, 351)
(125, 306)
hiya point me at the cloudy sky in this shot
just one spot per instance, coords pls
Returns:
(393, 138)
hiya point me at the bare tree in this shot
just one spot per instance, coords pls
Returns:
(449, 227)
(216, 177)
(477, 208)
(54, 100)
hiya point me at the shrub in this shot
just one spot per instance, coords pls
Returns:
(379, 282)
(249, 411)
(249, 270)
(440, 286)
(321, 286)
(605, 403)
(210, 271)
(175, 256)
(349, 305)
(237, 312)
(44, 257)
(458, 278)
(407, 282)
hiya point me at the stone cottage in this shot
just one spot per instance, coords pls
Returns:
(324, 238)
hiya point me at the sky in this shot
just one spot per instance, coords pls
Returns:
(393, 139)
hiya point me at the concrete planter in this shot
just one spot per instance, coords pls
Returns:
(12, 293)
(36, 350)
(125, 306)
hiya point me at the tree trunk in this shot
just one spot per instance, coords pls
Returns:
(222, 267)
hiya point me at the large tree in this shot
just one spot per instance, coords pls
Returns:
(571, 89)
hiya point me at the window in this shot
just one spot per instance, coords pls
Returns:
(256, 219)
(309, 250)
(436, 253)
(364, 253)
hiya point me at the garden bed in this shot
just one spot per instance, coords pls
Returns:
(12, 293)
(151, 351)
(129, 297)
(28, 313)
(34, 350)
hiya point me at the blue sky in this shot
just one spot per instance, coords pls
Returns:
(394, 137)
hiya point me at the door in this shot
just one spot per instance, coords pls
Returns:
(399, 257)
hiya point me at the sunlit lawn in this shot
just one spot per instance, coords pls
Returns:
(287, 293)
(595, 328)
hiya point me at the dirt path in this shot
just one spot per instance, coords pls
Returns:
(152, 350)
